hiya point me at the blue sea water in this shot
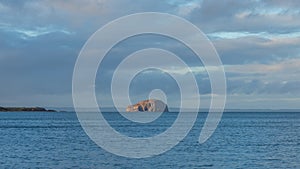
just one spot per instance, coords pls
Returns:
(242, 140)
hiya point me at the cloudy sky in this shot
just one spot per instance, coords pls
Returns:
(258, 42)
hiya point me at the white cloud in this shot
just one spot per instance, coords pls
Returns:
(266, 35)
(281, 67)
(187, 8)
(33, 32)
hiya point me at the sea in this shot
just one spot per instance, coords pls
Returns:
(241, 140)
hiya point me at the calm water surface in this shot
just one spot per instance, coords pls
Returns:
(242, 140)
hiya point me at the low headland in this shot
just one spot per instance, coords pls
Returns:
(20, 109)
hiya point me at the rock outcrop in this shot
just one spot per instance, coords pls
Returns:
(151, 105)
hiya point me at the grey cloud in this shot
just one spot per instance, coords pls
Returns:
(260, 87)
(42, 65)
(251, 16)
(256, 49)
(294, 4)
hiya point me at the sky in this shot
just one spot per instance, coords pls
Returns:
(257, 41)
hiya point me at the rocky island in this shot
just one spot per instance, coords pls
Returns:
(151, 105)
(14, 109)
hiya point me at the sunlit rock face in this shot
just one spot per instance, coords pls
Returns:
(151, 105)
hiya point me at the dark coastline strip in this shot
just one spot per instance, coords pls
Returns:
(11, 109)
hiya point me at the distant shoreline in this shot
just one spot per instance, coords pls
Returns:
(112, 109)
(27, 109)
